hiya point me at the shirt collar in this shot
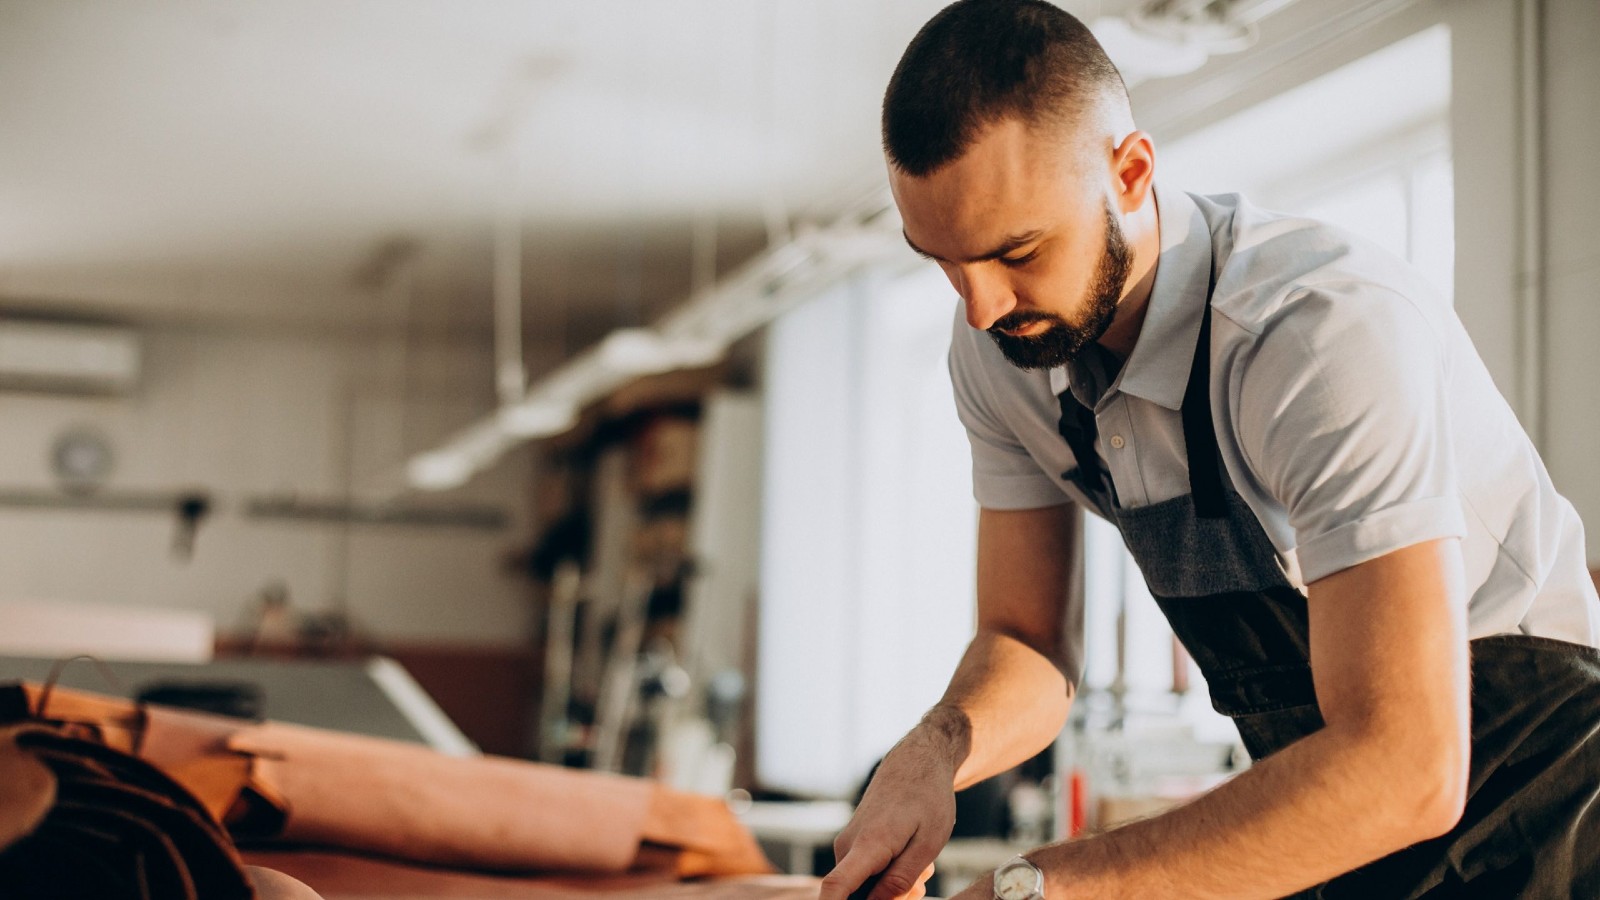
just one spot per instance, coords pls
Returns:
(1158, 369)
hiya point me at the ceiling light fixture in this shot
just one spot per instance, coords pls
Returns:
(1164, 38)
(438, 470)
(694, 335)
(535, 418)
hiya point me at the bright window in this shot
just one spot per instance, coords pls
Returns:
(1365, 147)
(869, 538)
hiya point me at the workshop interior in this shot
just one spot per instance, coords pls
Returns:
(505, 449)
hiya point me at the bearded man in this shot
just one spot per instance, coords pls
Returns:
(1331, 502)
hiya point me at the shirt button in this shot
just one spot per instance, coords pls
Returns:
(1117, 443)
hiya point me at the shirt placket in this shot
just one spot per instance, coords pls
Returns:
(1116, 447)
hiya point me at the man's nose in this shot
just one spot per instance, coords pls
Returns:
(987, 298)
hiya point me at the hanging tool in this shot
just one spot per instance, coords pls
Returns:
(191, 509)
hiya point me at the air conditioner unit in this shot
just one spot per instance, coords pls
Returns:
(64, 357)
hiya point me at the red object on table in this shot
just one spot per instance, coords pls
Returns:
(1077, 803)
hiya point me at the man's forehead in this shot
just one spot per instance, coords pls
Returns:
(1009, 182)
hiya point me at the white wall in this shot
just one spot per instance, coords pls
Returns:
(1571, 259)
(242, 414)
(1531, 306)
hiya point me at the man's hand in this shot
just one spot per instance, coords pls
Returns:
(903, 821)
(1007, 701)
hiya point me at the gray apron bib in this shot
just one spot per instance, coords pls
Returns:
(1532, 823)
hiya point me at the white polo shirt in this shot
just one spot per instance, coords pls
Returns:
(1353, 415)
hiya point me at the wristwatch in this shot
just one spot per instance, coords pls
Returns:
(1018, 879)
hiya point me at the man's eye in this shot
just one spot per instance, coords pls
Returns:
(1019, 260)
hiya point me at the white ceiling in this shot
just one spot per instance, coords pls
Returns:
(265, 163)
(248, 162)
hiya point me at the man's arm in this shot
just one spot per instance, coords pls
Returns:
(1008, 700)
(1389, 658)
(1013, 688)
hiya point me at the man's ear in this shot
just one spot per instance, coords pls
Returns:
(1133, 168)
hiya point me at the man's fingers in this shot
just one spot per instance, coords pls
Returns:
(921, 890)
(894, 885)
(844, 841)
(862, 862)
(909, 871)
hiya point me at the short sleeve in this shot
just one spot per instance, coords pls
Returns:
(1343, 417)
(1004, 475)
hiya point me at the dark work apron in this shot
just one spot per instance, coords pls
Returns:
(1532, 821)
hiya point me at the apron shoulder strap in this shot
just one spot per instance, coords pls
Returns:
(1077, 426)
(1199, 434)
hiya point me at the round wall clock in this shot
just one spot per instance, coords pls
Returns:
(81, 459)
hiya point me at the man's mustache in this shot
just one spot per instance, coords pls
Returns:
(1018, 320)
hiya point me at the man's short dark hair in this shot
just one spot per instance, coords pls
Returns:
(979, 61)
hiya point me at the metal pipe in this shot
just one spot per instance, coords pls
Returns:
(511, 377)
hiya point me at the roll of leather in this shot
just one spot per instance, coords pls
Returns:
(409, 802)
(80, 819)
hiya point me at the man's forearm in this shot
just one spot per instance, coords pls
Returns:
(1389, 769)
(1005, 703)
(1317, 809)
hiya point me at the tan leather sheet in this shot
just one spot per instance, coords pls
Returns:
(314, 787)
(410, 802)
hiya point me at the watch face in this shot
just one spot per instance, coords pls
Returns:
(1018, 880)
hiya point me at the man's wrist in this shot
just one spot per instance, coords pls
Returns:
(946, 732)
(1072, 869)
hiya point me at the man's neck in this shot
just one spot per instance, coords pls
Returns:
(1123, 334)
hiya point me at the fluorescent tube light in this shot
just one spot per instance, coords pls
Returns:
(536, 418)
(439, 470)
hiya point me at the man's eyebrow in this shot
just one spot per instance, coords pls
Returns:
(1011, 243)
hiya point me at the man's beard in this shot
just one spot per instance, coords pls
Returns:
(1062, 341)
